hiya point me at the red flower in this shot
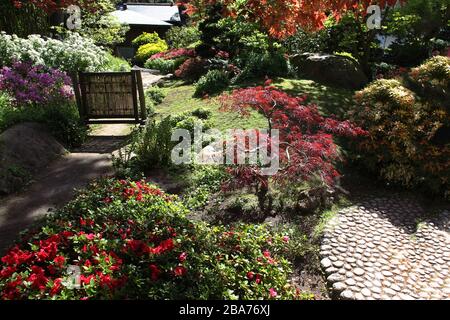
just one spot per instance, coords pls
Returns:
(182, 257)
(59, 261)
(155, 272)
(258, 279)
(7, 272)
(56, 287)
(273, 293)
(250, 275)
(286, 239)
(180, 271)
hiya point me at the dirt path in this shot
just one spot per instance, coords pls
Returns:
(56, 185)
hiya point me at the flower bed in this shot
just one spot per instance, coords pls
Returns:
(130, 240)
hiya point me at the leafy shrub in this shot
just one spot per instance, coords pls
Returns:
(164, 66)
(62, 120)
(182, 37)
(192, 69)
(146, 38)
(202, 113)
(174, 54)
(257, 65)
(72, 54)
(153, 145)
(147, 50)
(155, 94)
(130, 240)
(37, 84)
(213, 82)
(432, 78)
(116, 64)
(401, 129)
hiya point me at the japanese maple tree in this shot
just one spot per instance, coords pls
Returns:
(281, 18)
(306, 145)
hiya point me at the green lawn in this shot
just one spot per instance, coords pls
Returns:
(180, 98)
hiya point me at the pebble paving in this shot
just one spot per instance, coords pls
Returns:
(385, 249)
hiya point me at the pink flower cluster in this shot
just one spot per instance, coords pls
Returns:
(173, 54)
(35, 84)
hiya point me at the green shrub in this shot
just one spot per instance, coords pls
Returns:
(257, 65)
(202, 113)
(402, 127)
(432, 78)
(133, 241)
(182, 37)
(116, 64)
(155, 94)
(213, 82)
(165, 66)
(147, 50)
(146, 38)
(63, 121)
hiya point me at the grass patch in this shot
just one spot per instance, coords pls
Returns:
(330, 100)
(180, 98)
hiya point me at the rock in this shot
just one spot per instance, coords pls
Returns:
(347, 294)
(331, 70)
(358, 271)
(339, 286)
(326, 263)
(24, 150)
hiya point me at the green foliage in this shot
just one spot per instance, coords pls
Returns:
(155, 94)
(133, 241)
(257, 65)
(100, 26)
(182, 37)
(63, 121)
(116, 64)
(402, 129)
(305, 41)
(202, 113)
(146, 38)
(152, 145)
(420, 27)
(165, 66)
(215, 81)
(147, 50)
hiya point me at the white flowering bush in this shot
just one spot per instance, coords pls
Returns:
(73, 53)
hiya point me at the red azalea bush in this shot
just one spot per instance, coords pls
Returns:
(191, 69)
(130, 240)
(307, 149)
(174, 54)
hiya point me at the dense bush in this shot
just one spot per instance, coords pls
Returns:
(401, 128)
(192, 69)
(116, 64)
(257, 65)
(72, 54)
(35, 84)
(182, 37)
(215, 81)
(147, 50)
(130, 240)
(62, 120)
(164, 66)
(146, 38)
(155, 94)
(432, 79)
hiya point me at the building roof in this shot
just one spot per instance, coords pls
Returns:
(154, 15)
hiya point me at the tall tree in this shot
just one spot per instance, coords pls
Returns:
(281, 18)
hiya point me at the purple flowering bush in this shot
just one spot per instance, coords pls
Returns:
(32, 84)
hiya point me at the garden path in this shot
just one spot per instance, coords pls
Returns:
(56, 185)
(387, 248)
